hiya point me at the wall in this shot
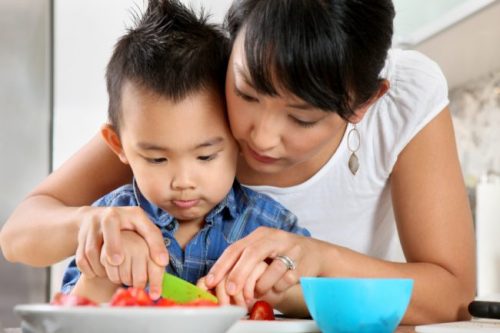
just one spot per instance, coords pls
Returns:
(468, 49)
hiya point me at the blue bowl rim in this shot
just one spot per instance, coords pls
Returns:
(325, 278)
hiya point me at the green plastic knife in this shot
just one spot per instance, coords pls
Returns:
(181, 291)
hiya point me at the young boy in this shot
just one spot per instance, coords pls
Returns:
(167, 121)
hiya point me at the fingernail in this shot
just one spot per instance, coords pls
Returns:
(154, 294)
(163, 259)
(210, 278)
(231, 288)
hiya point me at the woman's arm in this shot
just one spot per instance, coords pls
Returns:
(435, 224)
(435, 227)
(43, 229)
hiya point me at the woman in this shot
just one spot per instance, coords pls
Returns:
(358, 143)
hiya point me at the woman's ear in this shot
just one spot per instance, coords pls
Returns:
(112, 139)
(360, 112)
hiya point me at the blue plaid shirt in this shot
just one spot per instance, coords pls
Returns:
(241, 212)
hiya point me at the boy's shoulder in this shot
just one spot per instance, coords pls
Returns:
(262, 210)
(122, 196)
(260, 201)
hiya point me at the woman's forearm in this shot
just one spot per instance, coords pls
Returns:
(439, 294)
(43, 229)
(40, 232)
(293, 304)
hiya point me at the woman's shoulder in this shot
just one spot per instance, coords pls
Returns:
(418, 88)
(412, 71)
(418, 93)
(412, 60)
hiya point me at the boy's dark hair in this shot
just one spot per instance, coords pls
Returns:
(170, 51)
(327, 52)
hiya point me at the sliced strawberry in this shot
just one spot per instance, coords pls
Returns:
(200, 302)
(262, 310)
(71, 300)
(131, 297)
(141, 296)
(165, 302)
(122, 297)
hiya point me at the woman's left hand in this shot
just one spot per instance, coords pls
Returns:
(240, 260)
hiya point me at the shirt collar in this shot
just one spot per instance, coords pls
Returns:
(158, 215)
(162, 218)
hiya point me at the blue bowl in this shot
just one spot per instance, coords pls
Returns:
(357, 305)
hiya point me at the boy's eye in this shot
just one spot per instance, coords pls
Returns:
(207, 157)
(302, 123)
(156, 160)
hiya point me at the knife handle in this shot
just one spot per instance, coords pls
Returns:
(485, 309)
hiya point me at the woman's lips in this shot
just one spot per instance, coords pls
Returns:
(262, 158)
(185, 203)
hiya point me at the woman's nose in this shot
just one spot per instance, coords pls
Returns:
(265, 134)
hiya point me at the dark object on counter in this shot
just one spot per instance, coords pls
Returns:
(485, 309)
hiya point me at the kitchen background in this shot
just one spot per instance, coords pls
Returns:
(53, 98)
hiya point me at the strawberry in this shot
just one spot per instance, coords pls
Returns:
(165, 302)
(262, 310)
(71, 300)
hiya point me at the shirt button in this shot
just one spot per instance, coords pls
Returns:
(166, 241)
(170, 226)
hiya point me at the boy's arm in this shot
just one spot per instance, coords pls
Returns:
(99, 290)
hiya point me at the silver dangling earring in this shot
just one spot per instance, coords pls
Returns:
(353, 160)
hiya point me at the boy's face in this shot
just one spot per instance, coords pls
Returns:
(182, 154)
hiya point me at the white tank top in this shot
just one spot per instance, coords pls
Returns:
(356, 211)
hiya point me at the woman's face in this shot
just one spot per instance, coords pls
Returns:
(280, 132)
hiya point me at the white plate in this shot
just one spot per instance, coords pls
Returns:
(280, 325)
(45, 318)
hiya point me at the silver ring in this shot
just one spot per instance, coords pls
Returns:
(287, 261)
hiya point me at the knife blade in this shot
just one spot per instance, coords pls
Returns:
(182, 291)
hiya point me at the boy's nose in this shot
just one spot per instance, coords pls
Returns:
(182, 181)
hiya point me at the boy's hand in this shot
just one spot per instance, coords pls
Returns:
(222, 296)
(101, 229)
(97, 289)
(137, 267)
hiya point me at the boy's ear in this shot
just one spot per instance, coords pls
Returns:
(112, 139)
(360, 112)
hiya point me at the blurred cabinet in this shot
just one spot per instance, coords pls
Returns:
(25, 127)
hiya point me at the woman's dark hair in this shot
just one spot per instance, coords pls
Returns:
(327, 52)
(170, 51)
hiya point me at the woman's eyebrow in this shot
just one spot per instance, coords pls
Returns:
(300, 106)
